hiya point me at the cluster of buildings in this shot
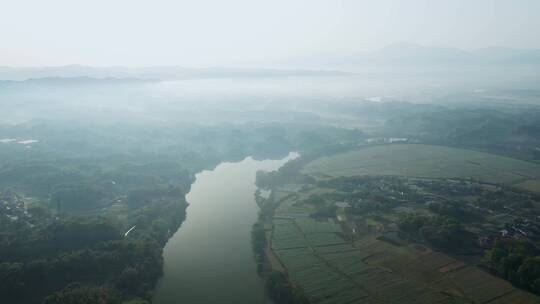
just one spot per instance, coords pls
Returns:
(12, 207)
(523, 228)
(387, 140)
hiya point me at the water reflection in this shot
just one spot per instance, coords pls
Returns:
(209, 259)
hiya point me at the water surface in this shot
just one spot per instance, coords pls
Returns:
(209, 259)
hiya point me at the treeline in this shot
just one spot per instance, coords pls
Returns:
(514, 133)
(443, 232)
(82, 188)
(129, 267)
(78, 260)
(517, 261)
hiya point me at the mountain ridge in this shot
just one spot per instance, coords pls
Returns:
(150, 73)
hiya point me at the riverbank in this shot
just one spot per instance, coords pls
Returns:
(220, 215)
(269, 267)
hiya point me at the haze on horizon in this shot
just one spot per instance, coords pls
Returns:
(243, 33)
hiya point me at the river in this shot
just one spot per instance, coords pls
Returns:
(209, 259)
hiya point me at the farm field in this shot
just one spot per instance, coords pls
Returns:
(370, 270)
(330, 265)
(531, 185)
(427, 161)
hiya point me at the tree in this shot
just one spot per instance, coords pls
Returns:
(129, 280)
(516, 261)
(11, 281)
(75, 293)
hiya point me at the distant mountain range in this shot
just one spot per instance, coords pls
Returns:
(399, 54)
(410, 53)
(80, 73)
(407, 54)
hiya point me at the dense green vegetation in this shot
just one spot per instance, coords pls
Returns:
(89, 251)
(68, 200)
(510, 131)
(517, 261)
(441, 232)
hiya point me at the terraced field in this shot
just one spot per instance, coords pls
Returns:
(426, 161)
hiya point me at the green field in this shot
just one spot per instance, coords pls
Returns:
(374, 271)
(329, 265)
(425, 161)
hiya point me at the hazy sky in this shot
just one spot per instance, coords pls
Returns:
(249, 32)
